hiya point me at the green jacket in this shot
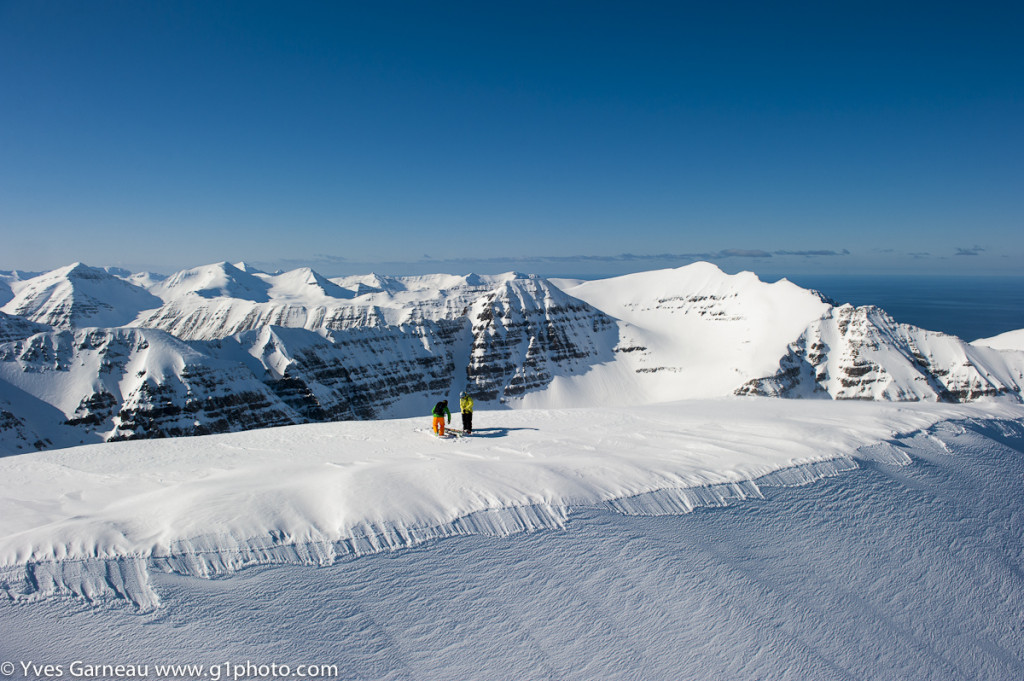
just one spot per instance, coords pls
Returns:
(440, 409)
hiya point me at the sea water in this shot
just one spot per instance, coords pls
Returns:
(968, 307)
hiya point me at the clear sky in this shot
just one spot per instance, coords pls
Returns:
(551, 137)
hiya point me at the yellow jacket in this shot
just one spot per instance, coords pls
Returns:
(466, 404)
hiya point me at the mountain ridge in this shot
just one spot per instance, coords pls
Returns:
(228, 348)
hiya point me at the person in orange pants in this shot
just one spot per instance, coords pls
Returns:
(439, 412)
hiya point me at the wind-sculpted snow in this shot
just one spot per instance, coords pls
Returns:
(863, 353)
(95, 521)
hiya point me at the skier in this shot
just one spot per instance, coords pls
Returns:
(466, 407)
(439, 411)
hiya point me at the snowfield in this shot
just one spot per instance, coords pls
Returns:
(553, 545)
(1011, 340)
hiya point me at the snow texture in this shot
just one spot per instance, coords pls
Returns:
(95, 520)
(908, 566)
(1011, 340)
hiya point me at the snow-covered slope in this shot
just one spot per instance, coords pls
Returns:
(887, 571)
(125, 383)
(690, 332)
(311, 494)
(1011, 340)
(372, 346)
(13, 327)
(77, 296)
(863, 353)
(11, 279)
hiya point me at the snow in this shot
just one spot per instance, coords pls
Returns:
(688, 333)
(1011, 340)
(303, 284)
(78, 295)
(650, 535)
(364, 486)
(907, 565)
(220, 280)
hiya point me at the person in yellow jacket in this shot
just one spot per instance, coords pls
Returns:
(466, 407)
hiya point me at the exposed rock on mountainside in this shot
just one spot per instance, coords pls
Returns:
(110, 384)
(528, 330)
(354, 374)
(227, 348)
(15, 328)
(863, 353)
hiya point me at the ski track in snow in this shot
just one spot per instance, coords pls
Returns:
(888, 571)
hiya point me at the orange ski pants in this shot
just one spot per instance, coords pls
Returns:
(439, 425)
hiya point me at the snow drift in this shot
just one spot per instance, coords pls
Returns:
(95, 520)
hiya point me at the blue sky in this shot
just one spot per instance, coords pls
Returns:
(552, 137)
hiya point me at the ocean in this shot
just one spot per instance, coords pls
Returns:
(968, 307)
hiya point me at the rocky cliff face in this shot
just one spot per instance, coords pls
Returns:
(15, 328)
(354, 374)
(863, 353)
(526, 332)
(235, 349)
(112, 384)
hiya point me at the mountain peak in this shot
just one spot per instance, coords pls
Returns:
(305, 282)
(78, 295)
(218, 280)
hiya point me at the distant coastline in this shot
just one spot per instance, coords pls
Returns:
(968, 307)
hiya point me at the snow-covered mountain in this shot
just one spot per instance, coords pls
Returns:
(236, 348)
(1011, 340)
(688, 332)
(220, 300)
(499, 337)
(90, 385)
(568, 548)
(863, 353)
(77, 296)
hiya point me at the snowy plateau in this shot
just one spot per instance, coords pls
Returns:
(678, 474)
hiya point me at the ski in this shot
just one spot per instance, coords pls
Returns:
(449, 434)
